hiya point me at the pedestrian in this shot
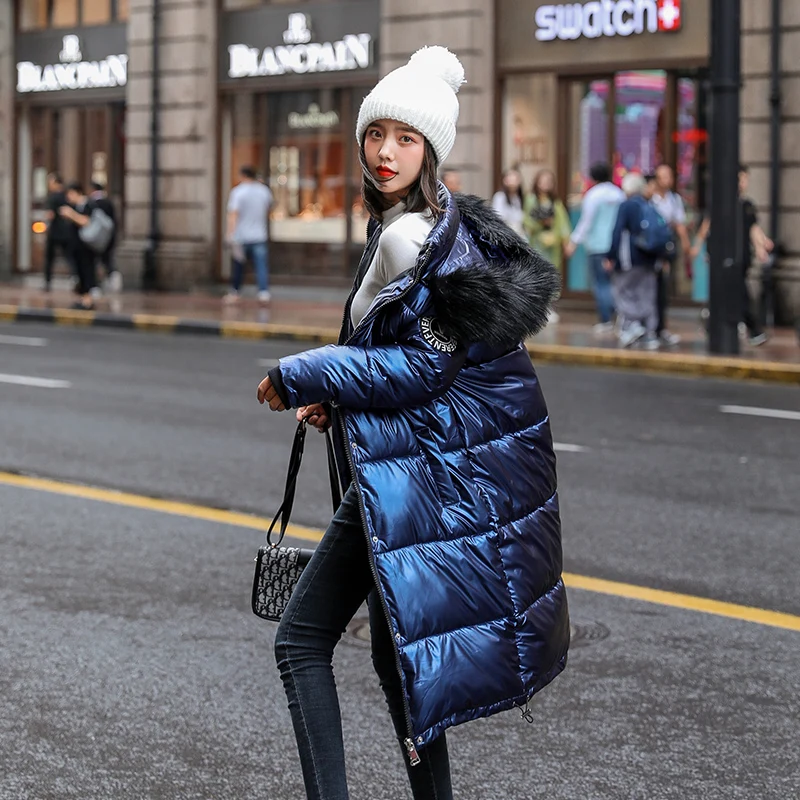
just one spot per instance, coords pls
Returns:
(634, 269)
(248, 211)
(509, 201)
(58, 234)
(594, 231)
(546, 220)
(100, 198)
(443, 442)
(78, 211)
(669, 205)
(451, 178)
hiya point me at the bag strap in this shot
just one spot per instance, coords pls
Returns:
(284, 512)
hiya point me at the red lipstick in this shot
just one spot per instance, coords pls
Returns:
(385, 172)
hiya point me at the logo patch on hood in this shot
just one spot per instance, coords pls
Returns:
(433, 335)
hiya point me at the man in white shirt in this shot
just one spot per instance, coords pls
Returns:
(248, 211)
(670, 205)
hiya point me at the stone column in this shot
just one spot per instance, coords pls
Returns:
(755, 133)
(7, 89)
(467, 28)
(187, 144)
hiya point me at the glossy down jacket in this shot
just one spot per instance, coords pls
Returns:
(441, 423)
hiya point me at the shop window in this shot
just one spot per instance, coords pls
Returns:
(32, 14)
(640, 99)
(588, 141)
(95, 12)
(64, 13)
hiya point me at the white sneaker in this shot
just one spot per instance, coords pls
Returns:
(114, 282)
(602, 328)
(757, 341)
(650, 342)
(231, 298)
(96, 292)
(264, 297)
(669, 339)
(632, 334)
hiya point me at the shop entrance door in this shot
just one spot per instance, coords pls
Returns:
(79, 143)
(633, 120)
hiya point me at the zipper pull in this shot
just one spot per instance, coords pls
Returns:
(413, 755)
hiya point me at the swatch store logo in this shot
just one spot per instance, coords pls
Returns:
(607, 18)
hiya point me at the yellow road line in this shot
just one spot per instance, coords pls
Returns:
(761, 616)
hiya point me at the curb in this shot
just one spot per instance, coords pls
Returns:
(661, 363)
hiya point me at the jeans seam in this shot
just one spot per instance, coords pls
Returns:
(300, 705)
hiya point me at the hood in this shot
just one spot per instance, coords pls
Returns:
(499, 290)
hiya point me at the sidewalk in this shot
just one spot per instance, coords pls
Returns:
(315, 315)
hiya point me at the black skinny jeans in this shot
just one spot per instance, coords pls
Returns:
(330, 591)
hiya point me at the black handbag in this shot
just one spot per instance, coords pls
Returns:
(279, 568)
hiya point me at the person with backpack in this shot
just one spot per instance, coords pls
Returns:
(594, 230)
(78, 212)
(100, 198)
(449, 524)
(641, 238)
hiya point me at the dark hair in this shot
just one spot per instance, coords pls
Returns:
(600, 172)
(519, 193)
(97, 186)
(649, 177)
(75, 186)
(248, 172)
(744, 168)
(422, 195)
(54, 177)
(551, 195)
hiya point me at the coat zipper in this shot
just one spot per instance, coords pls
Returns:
(408, 742)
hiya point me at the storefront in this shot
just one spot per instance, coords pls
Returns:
(291, 83)
(621, 81)
(70, 114)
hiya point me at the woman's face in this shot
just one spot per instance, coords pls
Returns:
(394, 152)
(547, 182)
(512, 180)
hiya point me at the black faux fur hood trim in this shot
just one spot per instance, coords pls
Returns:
(501, 299)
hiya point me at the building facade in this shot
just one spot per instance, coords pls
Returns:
(277, 85)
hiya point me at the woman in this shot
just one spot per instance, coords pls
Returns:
(450, 524)
(509, 201)
(546, 220)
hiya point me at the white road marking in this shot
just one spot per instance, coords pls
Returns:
(754, 411)
(24, 341)
(40, 383)
(560, 447)
(268, 362)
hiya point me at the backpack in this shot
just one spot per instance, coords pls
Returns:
(98, 231)
(654, 236)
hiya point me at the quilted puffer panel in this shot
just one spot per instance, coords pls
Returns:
(471, 668)
(543, 636)
(438, 583)
(531, 552)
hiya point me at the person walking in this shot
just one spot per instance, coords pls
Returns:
(546, 220)
(634, 269)
(100, 198)
(594, 231)
(78, 212)
(669, 205)
(509, 201)
(248, 211)
(449, 524)
(58, 235)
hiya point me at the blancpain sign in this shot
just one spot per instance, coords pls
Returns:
(72, 72)
(606, 18)
(299, 54)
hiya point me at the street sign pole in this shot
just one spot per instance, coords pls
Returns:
(727, 263)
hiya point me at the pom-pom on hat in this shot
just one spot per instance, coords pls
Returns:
(422, 93)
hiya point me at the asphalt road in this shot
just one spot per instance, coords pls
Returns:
(131, 666)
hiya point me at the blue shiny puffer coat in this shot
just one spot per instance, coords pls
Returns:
(441, 423)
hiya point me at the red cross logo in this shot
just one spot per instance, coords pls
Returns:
(669, 15)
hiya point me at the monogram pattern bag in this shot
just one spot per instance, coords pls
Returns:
(278, 568)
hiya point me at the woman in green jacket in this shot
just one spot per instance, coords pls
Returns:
(546, 219)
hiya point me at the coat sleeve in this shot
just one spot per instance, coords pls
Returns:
(418, 368)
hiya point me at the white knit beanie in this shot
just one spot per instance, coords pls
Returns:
(423, 95)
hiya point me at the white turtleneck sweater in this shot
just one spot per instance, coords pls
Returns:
(401, 240)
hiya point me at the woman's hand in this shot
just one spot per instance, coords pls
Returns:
(266, 392)
(315, 415)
